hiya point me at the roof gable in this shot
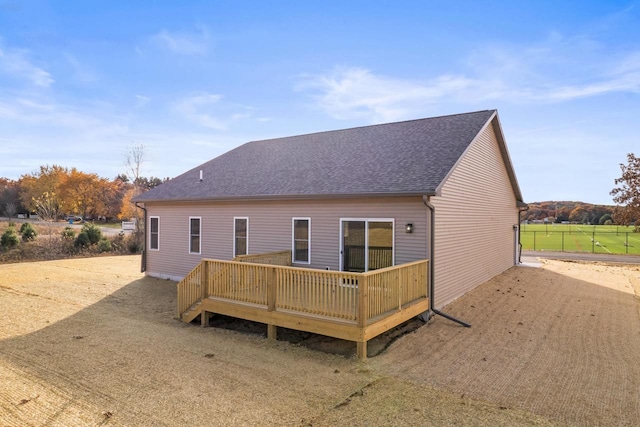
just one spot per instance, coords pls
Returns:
(411, 157)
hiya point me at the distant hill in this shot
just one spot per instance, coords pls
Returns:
(559, 211)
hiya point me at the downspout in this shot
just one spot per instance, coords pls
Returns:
(432, 310)
(143, 264)
(520, 234)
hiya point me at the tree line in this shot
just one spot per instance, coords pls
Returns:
(55, 191)
(577, 212)
(626, 195)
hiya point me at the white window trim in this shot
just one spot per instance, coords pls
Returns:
(199, 218)
(366, 239)
(234, 234)
(293, 240)
(158, 218)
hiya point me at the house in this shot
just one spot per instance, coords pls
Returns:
(441, 189)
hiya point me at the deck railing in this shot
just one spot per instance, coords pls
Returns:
(392, 287)
(273, 258)
(189, 289)
(335, 294)
(317, 292)
(363, 304)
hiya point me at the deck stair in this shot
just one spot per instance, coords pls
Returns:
(192, 312)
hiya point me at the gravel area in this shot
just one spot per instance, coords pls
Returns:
(94, 342)
(561, 341)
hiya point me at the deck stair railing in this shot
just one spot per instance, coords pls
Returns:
(190, 292)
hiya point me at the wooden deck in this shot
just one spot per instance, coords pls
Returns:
(350, 306)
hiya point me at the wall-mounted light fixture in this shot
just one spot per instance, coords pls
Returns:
(408, 228)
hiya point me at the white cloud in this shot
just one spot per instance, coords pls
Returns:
(142, 100)
(198, 108)
(348, 93)
(538, 74)
(81, 72)
(15, 62)
(25, 117)
(208, 110)
(182, 43)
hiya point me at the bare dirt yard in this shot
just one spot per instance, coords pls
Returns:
(93, 342)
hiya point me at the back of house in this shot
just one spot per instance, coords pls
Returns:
(358, 199)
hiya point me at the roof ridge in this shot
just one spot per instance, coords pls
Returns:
(366, 126)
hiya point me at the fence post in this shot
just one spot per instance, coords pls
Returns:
(593, 242)
(563, 241)
(626, 243)
(534, 240)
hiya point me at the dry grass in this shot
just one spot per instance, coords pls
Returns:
(93, 342)
(50, 245)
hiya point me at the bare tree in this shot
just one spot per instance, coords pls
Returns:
(47, 207)
(133, 159)
(10, 209)
(133, 163)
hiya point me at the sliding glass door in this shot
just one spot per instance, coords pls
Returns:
(366, 244)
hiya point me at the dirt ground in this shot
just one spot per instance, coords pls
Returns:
(93, 342)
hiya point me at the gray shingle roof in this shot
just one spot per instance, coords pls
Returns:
(411, 157)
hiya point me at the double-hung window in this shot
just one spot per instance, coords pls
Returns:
(154, 233)
(240, 236)
(301, 244)
(195, 231)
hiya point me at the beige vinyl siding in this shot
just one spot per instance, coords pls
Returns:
(475, 214)
(270, 229)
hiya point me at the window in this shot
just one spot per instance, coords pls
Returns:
(154, 233)
(240, 236)
(194, 235)
(301, 245)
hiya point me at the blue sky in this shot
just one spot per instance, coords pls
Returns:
(82, 82)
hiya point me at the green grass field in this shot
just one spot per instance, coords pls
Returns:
(605, 239)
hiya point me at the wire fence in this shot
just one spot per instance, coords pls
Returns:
(582, 240)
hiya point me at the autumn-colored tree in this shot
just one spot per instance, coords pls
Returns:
(128, 210)
(72, 192)
(80, 192)
(579, 214)
(47, 180)
(627, 194)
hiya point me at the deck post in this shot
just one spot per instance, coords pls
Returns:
(272, 282)
(204, 279)
(204, 285)
(204, 318)
(363, 314)
(362, 350)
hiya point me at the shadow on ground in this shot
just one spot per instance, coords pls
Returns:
(316, 342)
